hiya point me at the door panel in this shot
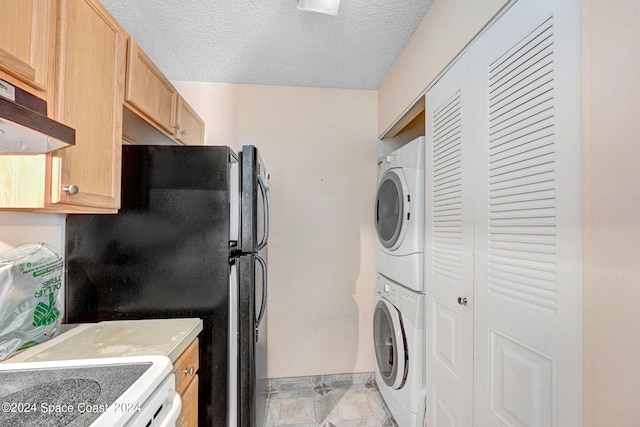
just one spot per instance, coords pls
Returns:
(25, 40)
(522, 383)
(89, 97)
(261, 357)
(254, 226)
(449, 248)
(149, 91)
(252, 347)
(528, 336)
(234, 199)
(234, 306)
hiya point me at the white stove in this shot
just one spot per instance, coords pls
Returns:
(109, 392)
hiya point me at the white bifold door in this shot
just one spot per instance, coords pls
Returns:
(449, 248)
(503, 226)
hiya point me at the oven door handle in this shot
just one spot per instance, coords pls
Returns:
(171, 417)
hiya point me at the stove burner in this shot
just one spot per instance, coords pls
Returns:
(69, 396)
(50, 404)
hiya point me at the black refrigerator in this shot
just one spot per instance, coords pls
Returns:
(190, 240)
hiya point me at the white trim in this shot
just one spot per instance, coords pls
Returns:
(418, 98)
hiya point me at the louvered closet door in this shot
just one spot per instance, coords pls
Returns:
(449, 248)
(528, 298)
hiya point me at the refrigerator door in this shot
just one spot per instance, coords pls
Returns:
(234, 202)
(252, 340)
(254, 226)
(234, 306)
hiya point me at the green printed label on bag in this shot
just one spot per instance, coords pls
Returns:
(45, 314)
(49, 287)
(40, 267)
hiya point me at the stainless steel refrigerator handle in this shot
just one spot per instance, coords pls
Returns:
(263, 306)
(263, 189)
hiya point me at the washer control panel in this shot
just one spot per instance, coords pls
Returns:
(407, 301)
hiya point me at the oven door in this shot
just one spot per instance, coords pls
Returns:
(390, 344)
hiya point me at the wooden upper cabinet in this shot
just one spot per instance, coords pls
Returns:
(26, 36)
(149, 91)
(190, 128)
(151, 96)
(91, 55)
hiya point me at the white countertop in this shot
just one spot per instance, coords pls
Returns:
(164, 337)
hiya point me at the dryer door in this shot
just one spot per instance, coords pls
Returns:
(390, 344)
(392, 208)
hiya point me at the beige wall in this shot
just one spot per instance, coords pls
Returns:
(611, 129)
(320, 147)
(447, 28)
(18, 228)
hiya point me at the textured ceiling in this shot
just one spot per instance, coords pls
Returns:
(271, 42)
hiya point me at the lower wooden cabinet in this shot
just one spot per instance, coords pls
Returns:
(185, 369)
(189, 413)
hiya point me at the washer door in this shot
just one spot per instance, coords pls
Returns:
(392, 209)
(390, 344)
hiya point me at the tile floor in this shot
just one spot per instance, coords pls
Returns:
(326, 401)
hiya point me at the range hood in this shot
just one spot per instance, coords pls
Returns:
(24, 126)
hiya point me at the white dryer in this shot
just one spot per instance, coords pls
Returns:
(398, 332)
(399, 215)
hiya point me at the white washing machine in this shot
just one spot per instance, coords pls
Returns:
(398, 332)
(399, 215)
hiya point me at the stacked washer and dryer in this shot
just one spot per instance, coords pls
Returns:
(398, 322)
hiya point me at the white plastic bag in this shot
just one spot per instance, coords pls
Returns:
(30, 299)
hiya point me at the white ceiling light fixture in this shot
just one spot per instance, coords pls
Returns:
(329, 7)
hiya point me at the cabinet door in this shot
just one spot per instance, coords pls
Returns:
(148, 90)
(189, 412)
(91, 53)
(185, 369)
(23, 181)
(528, 298)
(25, 36)
(190, 129)
(449, 248)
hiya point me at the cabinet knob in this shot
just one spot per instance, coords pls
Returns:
(176, 126)
(462, 301)
(72, 189)
(190, 371)
(183, 132)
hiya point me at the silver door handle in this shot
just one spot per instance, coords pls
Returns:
(72, 189)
